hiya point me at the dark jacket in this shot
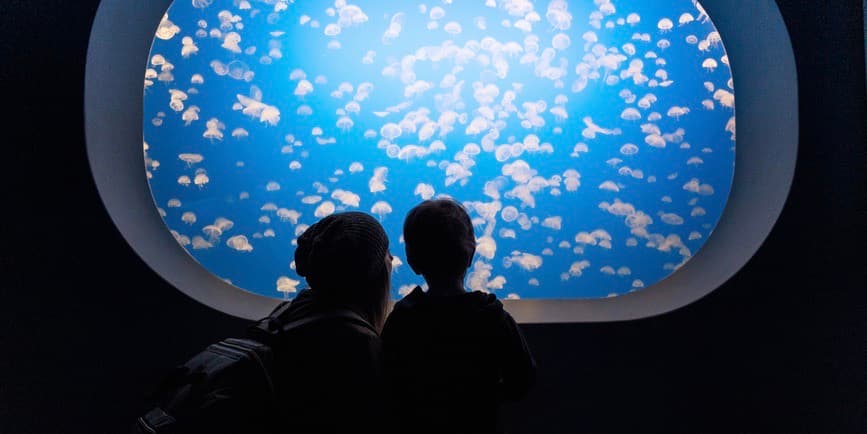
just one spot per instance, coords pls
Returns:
(452, 359)
(328, 373)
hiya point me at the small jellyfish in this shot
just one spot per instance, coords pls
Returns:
(686, 18)
(452, 28)
(665, 25)
(184, 180)
(509, 214)
(272, 186)
(191, 159)
(345, 123)
(390, 131)
(303, 88)
(710, 64)
(381, 209)
(609, 186)
(629, 149)
(561, 41)
(287, 286)
(426, 191)
(239, 243)
(630, 114)
(324, 209)
(677, 111)
(201, 179)
(437, 13)
(188, 217)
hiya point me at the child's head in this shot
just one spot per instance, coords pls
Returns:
(439, 238)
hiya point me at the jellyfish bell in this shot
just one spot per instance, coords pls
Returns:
(665, 25)
(239, 243)
(709, 64)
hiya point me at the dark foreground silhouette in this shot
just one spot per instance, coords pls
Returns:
(452, 356)
(313, 366)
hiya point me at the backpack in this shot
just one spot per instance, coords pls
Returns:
(229, 387)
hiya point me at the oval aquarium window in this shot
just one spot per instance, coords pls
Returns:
(592, 142)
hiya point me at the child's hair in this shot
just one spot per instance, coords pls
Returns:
(439, 238)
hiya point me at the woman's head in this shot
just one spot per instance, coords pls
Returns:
(345, 258)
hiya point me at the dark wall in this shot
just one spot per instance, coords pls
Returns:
(86, 328)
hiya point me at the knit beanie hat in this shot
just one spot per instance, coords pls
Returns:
(340, 250)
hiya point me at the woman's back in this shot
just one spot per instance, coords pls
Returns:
(328, 372)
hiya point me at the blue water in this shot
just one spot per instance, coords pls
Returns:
(655, 182)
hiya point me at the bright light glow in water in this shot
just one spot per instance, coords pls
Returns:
(592, 141)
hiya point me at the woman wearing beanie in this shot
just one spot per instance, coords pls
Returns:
(328, 355)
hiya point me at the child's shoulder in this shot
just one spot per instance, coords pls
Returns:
(478, 300)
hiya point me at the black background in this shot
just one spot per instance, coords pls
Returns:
(86, 328)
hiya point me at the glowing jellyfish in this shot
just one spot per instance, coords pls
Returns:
(214, 129)
(665, 25)
(509, 214)
(630, 114)
(201, 179)
(633, 19)
(324, 209)
(223, 223)
(303, 88)
(691, 39)
(288, 215)
(437, 13)
(677, 111)
(629, 149)
(287, 286)
(190, 115)
(239, 243)
(425, 191)
(356, 167)
(200, 243)
(558, 15)
(213, 232)
(167, 29)
(345, 123)
(555, 223)
(452, 28)
(381, 209)
(709, 64)
(526, 261)
(486, 247)
(188, 217)
(671, 218)
(561, 41)
(686, 18)
(390, 131)
(609, 186)
(378, 180)
(725, 98)
(272, 186)
(312, 199)
(191, 159)
(695, 186)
